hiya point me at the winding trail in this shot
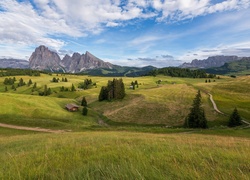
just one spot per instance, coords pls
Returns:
(217, 110)
(214, 104)
(30, 128)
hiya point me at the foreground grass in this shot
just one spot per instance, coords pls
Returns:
(124, 155)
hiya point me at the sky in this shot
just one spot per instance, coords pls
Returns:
(127, 32)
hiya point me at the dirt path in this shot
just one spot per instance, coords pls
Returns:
(214, 105)
(217, 110)
(30, 128)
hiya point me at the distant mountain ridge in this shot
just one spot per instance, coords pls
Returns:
(236, 67)
(214, 61)
(14, 63)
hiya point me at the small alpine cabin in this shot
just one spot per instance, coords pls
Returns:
(72, 107)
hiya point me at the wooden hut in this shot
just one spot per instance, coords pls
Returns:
(72, 107)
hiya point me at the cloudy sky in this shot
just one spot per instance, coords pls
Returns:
(127, 32)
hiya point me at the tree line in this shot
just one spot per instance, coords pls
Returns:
(181, 72)
(18, 72)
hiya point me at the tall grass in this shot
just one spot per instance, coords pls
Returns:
(123, 155)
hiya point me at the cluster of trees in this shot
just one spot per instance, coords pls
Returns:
(134, 84)
(56, 80)
(208, 81)
(9, 81)
(62, 89)
(114, 90)
(64, 79)
(196, 118)
(180, 72)
(46, 92)
(86, 84)
(18, 72)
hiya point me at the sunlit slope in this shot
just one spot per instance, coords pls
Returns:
(40, 111)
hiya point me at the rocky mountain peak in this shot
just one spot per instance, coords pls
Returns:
(45, 59)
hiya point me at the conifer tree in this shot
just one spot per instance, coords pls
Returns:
(30, 82)
(85, 111)
(34, 86)
(73, 88)
(235, 119)
(196, 118)
(6, 88)
(84, 102)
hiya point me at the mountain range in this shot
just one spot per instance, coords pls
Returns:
(214, 61)
(45, 59)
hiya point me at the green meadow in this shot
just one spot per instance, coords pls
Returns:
(139, 137)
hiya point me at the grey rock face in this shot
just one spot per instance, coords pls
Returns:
(78, 63)
(44, 59)
(214, 61)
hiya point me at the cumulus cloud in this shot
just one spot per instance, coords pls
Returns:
(31, 23)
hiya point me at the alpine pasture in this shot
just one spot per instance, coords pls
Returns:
(139, 137)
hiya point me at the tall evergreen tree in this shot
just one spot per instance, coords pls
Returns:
(235, 119)
(85, 111)
(34, 86)
(196, 118)
(73, 87)
(84, 102)
(30, 82)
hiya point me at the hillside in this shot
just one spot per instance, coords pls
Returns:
(237, 67)
(159, 101)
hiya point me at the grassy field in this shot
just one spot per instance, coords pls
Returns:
(138, 137)
(124, 155)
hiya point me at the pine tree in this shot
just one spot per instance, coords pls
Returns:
(30, 82)
(34, 86)
(73, 88)
(85, 111)
(84, 102)
(235, 119)
(13, 86)
(196, 118)
(6, 89)
(65, 80)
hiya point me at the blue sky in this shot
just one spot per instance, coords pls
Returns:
(127, 32)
